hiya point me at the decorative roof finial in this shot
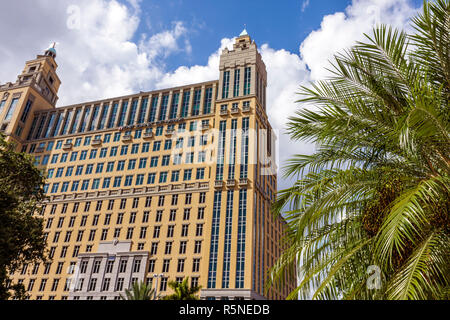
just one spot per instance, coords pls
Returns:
(244, 32)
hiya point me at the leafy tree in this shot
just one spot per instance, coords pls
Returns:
(182, 291)
(21, 234)
(139, 291)
(376, 190)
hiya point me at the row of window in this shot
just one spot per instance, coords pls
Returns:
(132, 164)
(128, 180)
(106, 285)
(172, 216)
(123, 203)
(109, 116)
(184, 232)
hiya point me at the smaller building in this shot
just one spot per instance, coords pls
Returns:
(105, 274)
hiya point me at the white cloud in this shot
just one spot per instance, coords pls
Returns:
(342, 29)
(97, 54)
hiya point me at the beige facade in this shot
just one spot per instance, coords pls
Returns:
(181, 179)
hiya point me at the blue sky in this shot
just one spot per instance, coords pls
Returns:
(109, 48)
(282, 24)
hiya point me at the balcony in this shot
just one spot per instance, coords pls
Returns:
(96, 142)
(234, 110)
(231, 183)
(246, 108)
(205, 126)
(148, 135)
(223, 112)
(67, 146)
(127, 138)
(218, 184)
(243, 182)
(170, 132)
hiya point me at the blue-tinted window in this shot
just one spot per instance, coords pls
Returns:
(117, 182)
(128, 181)
(151, 178)
(145, 147)
(120, 165)
(106, 183)
(83, 155)
(134, 148)
(113, 152)
(26, 111)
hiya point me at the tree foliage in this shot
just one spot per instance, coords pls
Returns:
(21, 233)
(139, 291)
(182, 291)
(376, 191)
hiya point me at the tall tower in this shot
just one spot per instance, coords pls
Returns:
(242, 72)
(36, 89)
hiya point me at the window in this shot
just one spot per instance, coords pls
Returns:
(170, 230)
(143, 233)
(184, 230)
(198, 247)
(154, 162)
(119, 218)
(145, 216)
(188, 199)
(166, 265)
(119, 284)
(123, 266)
(124, 150)
(157, 146)
(113, 152)
(186, 214)
(166, 161)
(199, 230)
(202, 197)
(168, 145)
(168, 249)
(137, 265)
(173, 214)
(128, 181)
(148, 202)
(111, 204)
(130, 233)
(200, 173)
(158, 216)
(161, 201)
(175, 176)
(110, 166)
(174, 200)
(196, 265)
(117, 182)
(145, 147)
(156, 231)
(106, 283)
(180, 266)
(151, 178)
(163, 177)
(142, 163)
(183, 245)
(247, 81)
(153, 251)
(226, 84)
(187, 175)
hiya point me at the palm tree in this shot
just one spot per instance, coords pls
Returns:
(375, 194)
(139, 291)
(182, 291)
